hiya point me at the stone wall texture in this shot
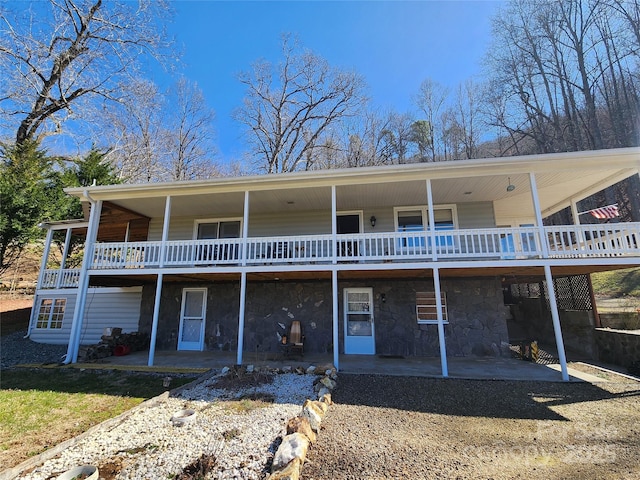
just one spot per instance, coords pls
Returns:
(477, 315)
(618, 346)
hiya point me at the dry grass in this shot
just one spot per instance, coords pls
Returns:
(42, 408)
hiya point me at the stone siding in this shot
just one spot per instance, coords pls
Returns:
(618, 346)
(477, 316)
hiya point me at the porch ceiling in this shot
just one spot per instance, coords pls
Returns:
(559, 178)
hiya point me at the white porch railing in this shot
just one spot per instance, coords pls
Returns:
(571, 241)
(67, 278)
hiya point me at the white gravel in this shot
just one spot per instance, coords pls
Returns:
(148, 446)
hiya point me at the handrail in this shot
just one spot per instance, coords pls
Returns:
(566, 241)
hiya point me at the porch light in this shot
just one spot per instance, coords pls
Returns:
(373, 220)
(511, 187)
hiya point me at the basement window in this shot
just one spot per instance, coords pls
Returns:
(51, 313)
(426, 309)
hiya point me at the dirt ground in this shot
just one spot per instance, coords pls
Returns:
(401, 427)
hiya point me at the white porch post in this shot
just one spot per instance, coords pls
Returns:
(243, 295)
(165, 229)
(45, 257)
(156, 305)
(65, 252)
(83, 282)
(432, 221)
(336, 314)
(538, 213)
(154, 324)
(245, 227)
(43, 267)
(334, 226)
(441, 339)
(557, 330)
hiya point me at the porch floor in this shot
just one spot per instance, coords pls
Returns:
(480, 368)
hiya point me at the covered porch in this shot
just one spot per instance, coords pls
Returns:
(475, 368)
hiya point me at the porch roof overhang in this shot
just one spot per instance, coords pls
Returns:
(513, 274)
(561, 178)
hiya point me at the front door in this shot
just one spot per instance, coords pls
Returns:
(347, 223)
(359, 331)
(192, 319)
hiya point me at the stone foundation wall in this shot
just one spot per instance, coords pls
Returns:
(477, 316)
(617, 346)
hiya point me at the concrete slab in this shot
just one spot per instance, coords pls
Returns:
(487, 368)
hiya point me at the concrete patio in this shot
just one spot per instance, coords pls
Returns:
(480, 368)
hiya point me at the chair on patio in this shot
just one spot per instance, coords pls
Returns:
(294, 344)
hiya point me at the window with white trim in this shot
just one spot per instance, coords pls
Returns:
(51, 313)
(427, 310)
(213, 229)
(416, 219)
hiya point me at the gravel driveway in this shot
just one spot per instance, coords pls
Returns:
(384, 427)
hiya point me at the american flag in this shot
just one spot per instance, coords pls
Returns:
(610, 211)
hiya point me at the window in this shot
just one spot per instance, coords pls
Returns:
(207, 230)
(51, 313)
(416, 219)
(426, 309)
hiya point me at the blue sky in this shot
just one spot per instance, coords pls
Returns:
(395, 45)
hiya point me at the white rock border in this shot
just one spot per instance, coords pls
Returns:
(302, 430)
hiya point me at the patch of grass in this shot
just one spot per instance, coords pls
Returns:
(248, 403)
(617, 283)
(231, 434)
(41, 408)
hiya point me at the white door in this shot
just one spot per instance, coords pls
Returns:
(192, 319)
(359, 331)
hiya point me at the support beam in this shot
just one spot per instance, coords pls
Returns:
(154, 323)
(165, 229)
(432, 221)
(538, 213)
(334, 226)
(557, 330)
(83, 282)
(336, 314)
(245, 227)
(441, 337)
(243, 297)
(45, 257)
(43, 268)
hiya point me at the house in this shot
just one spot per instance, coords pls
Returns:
(394, 260)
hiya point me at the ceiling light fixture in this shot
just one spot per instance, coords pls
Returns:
(511, 187)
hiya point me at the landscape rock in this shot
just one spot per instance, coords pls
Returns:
(301, 425)
(293, 446)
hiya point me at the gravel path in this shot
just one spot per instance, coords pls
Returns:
(383, 427)
(15, 349)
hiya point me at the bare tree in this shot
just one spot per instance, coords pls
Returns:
(191, 136)
(430, 99)
(289, 107)
(54, 55)
(134, 127)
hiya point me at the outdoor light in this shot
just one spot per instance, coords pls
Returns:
(383, 297)
(511, 187)
(373, 220)
(166, 381)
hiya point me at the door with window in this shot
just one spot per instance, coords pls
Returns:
(192, 319)
(359, 329)
(347, 223)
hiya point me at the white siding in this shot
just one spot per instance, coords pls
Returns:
(105, 307)
(470, 215)
(476, 215)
